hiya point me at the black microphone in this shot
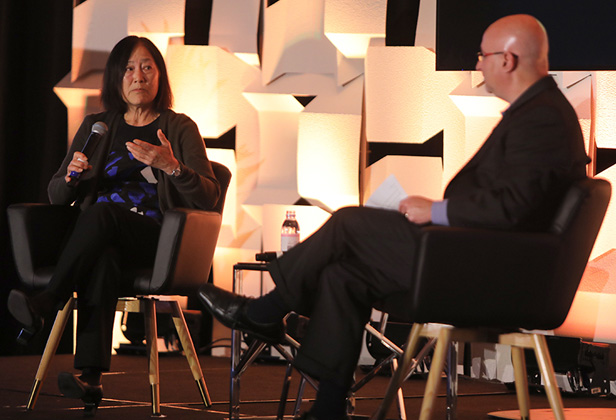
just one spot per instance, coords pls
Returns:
(98, 130)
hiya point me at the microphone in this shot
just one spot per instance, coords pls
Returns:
(98, 130)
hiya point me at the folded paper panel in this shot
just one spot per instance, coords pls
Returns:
(234, 25)
(207, 84)
(406, 98)
(328, 146)
(81, 97)
(606, 238)
(350, 24)
(425, 35)
(348, 69)
(605, 109)
(355, 16)
(156, 16)
(229, 216)
(278, 123)
(328, 158)
(407, 101)
(308, 84)
(294, 41)
(194, 78)
(577, 88)
(97, 26)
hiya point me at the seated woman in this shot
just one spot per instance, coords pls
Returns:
(151, 159)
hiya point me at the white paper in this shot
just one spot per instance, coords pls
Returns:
(387, 195)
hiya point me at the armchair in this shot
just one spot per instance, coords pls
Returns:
(493, 286)
(183, 262)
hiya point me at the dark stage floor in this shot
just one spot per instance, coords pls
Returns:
(127, 392)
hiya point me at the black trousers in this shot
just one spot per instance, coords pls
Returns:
(107, 241)
(357, 258)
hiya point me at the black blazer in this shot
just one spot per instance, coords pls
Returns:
(517, 178)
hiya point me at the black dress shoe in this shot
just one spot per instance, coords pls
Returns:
(23, 310)
(231, 310)
(73, 387)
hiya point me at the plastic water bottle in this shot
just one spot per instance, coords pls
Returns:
(289, 235)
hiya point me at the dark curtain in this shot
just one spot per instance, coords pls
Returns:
(35, 54)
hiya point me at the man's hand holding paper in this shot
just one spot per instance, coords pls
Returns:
(417, 209)
(390, 195)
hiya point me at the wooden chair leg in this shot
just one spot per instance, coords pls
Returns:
(436, 370)
(53, 341)
(189, 351)
(152, 346)
(521, 381)
(547, 373)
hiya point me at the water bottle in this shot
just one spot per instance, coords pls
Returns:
(289, 235)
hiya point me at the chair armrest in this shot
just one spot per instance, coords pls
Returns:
(462, 274)
(38, 233)
(185, 252)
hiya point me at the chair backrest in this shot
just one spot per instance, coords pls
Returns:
(223, 175)
(577, 221)
(186, 247)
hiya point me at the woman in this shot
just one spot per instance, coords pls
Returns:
(151, 159)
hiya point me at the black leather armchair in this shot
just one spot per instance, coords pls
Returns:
(489, 286)
(183, 262)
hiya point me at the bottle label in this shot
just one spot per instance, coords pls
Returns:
(288, 241)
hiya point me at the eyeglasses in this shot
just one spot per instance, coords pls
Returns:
(482, 55)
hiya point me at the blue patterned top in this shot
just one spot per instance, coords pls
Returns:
(126, 181)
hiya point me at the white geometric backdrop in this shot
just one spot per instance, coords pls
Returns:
(363, 91)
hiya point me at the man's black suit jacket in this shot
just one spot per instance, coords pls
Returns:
(516, 179)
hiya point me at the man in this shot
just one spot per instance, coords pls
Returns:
(363, 255)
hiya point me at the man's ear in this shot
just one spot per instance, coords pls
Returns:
(510, 61)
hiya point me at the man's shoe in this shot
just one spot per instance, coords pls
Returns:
(73, 387)
(231, 310)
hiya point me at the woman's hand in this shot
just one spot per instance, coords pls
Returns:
(416, 209)
(78, 164)
(159, 157)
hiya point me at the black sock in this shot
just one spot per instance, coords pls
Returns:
(91, 376)
(330, 403)
(268, 308)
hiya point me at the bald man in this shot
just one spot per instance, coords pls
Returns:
(361, 256)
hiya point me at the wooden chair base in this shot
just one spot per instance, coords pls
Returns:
(150, 306)
(445, 335)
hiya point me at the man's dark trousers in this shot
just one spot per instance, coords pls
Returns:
(358, 257)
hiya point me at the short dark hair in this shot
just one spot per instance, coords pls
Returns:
(111, 93)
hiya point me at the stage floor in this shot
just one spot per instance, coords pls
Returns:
(127, 395)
